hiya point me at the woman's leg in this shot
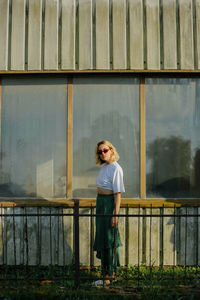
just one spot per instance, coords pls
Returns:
(110, 262)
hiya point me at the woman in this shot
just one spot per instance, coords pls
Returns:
(109, 187)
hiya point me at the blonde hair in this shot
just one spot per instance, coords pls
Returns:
(114, 157)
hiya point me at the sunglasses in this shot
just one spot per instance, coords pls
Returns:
(103, 151)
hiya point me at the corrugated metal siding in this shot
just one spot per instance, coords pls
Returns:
(99, 35)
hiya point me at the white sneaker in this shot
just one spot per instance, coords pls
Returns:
(97, 283)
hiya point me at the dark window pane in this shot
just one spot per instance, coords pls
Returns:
(173, 139)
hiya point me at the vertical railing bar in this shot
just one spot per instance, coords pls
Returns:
(150, 240)
(26, 230)
(126, 237)
(144, 237)
(26, 242)
(186, 243)
(2, 234)
(91, 237)
(174, 241)
(63, 238)
(23, 237)
(14, 237)
(103, 255)
(58, 240)
(6, 242)
(161, 242)
(77, 255)
(179, 235)
(197, 239)
(162, 237)
(38, 239)
(115, 249)
(50, 235)
(63, 241)
(138, 246)
(125, 221)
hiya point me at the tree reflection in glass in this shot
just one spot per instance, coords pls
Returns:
(172, 137)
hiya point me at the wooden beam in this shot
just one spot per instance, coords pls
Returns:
(160, 202)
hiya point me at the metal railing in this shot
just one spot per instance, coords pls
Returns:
(17, 238)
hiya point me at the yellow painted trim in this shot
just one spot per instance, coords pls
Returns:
(8, 202)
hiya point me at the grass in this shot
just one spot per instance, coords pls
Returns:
(55, 282)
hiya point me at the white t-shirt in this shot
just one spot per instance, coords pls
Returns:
(110, 177)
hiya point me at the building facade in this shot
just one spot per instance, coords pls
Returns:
(73, 72)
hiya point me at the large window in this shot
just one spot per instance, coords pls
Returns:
(50, 125)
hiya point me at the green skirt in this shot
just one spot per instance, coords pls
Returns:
(107, 238)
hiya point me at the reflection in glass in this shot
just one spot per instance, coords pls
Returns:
(33, 142)
(172, 135)
(105, 108)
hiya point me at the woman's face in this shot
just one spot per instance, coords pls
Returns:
(105, 153)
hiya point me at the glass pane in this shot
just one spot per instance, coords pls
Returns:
(33, 149)
(173, 140)
(105, 108)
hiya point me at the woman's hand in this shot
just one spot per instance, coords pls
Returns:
(114, 221)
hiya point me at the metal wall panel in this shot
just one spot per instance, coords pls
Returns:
(99, 34)
(4, 23)
(102, 35)
(119, 34)
(169, 35)
(35, 35)
(18, 35)
(136, 25)
(51, 35)
(68, 42)
(186, 35)
(153, 34)
(85, 35)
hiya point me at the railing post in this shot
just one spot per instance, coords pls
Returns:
(76, 226)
